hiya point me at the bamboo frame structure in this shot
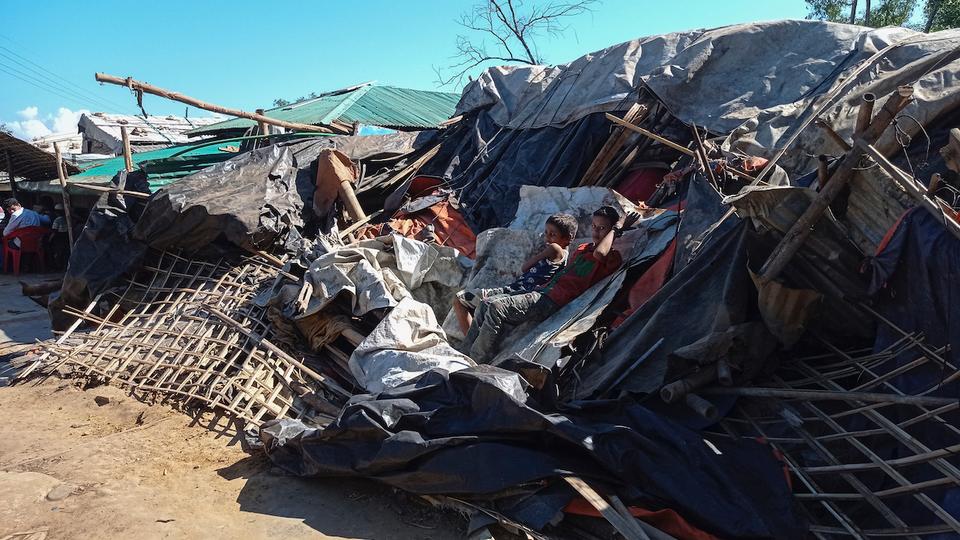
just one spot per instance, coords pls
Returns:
(193, 333)
(864, 468)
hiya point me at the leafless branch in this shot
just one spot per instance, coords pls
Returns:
(512, 28)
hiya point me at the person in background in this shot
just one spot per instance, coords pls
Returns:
(559, 231)
(20, 218)
(46, 216)
(59, 246)
(587, 265)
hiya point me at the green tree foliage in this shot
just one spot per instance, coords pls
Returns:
(926, 15)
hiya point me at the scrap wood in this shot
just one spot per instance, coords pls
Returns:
(933, 204)
(652, 135)
(866, 397)
(951, 151)
(137, 86)
(618, 137)
(794, 239)
(618, 516)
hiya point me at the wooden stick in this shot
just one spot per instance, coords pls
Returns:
(262, 126)
(61, 175)
(825, 395)
(102, 189)
(652, 135)
(157, 91)
(951, 151)
(823, 171)
(794, 238)
(13, 181)
(833, 135)
(127, 154)
(617, 139)
(702, 155)
(350, 202)
(627, 527)
(941, 210)
(865, 113)
(329, 383)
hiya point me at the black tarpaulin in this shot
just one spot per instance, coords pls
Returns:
(472, 434)
(711, 294)
(104, 249)
(250, 199)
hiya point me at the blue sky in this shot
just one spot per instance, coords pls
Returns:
(246, 53)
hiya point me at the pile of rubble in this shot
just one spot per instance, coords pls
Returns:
(774, 358)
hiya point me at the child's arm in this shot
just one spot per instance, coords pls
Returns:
(603, 247)
(549, 251)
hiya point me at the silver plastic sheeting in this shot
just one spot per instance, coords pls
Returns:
(406, 343)
(754, 81)
(543, 343)
(500, 252)
(538, 203)
(379, 273)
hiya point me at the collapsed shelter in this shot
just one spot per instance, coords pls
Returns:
(775, 358)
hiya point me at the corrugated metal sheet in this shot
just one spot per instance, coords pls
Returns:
(144, 131)
(28, 161)
(384, 106)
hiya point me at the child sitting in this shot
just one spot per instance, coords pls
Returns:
(589, 264)
(559, 231)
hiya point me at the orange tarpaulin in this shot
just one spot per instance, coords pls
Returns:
(665, 520)
(448, 223)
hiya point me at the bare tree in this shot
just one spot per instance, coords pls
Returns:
(506, 31)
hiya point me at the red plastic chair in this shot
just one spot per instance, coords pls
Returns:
(31, 243)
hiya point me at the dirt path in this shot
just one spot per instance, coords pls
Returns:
(123, 469)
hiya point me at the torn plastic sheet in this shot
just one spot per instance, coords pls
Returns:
(251, 199)
(379, 273)
(473, 434)
(406, 343)
(501, 252)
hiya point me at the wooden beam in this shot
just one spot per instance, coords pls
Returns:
(628, 527)
(652, 135)
(175, 96)
(13, 180)
(943, 212)
(702, 155)
(833, 135)
(102, 189)
(802, 228)
(613, 144)
(127, 153)
(62, 176)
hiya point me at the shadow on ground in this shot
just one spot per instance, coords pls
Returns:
(340, 507)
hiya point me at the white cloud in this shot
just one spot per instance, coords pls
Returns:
(66, 120)
(31, 125)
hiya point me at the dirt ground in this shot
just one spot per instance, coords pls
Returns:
(97, 463)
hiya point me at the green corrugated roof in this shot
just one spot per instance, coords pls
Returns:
(162, 166)
(384, 106)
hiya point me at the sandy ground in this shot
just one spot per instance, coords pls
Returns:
(75, 468)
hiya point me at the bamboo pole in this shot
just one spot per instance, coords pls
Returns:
(702, 154)
(833, 135)
(127, 153)
(652, 135)
(794, 238)
(934, 205)
(827, 395)
(13, 181)
(614, 143)
(102, 189)
(61, 175)
(175, 96)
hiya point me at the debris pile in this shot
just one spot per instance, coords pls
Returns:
(774, 357)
